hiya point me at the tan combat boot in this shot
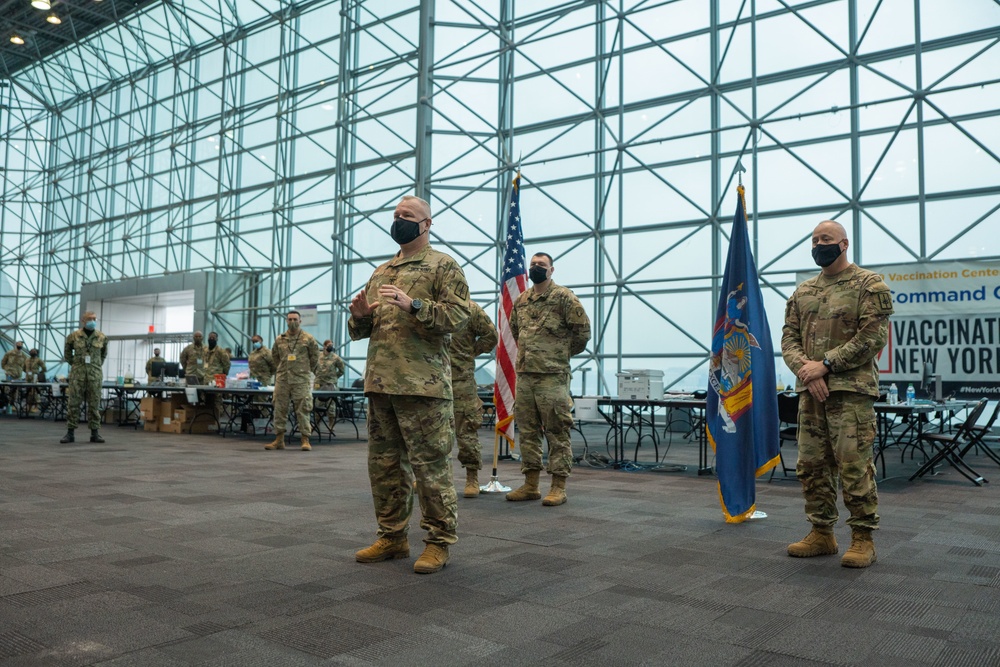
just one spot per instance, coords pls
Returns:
(862, 551)
(556, 494)
(279, 441)
(528, 490)
(819, 542)
(434, 557)
(384, 549)
(471, 483)
(306, 447)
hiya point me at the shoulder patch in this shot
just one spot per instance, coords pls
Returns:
(882, 296)
(462, 291)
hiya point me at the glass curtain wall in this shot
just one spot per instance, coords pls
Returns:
(274, 139)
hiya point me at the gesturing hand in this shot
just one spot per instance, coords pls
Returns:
(360, 307)
(390, 294)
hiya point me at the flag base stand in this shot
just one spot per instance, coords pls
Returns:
(758, 515)
(495, 486)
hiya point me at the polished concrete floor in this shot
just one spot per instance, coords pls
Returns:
(159, 549)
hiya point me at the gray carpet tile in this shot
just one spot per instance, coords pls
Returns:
(167, 550)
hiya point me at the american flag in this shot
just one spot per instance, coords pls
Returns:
(514, 283)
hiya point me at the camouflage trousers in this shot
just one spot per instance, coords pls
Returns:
(301, 397)
(835, 440)
(543, 406)
(468, 420)
(84, 385)
(409, 446)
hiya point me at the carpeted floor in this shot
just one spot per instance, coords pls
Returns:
(158, 549)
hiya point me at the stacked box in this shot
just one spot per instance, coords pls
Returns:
(151, 408)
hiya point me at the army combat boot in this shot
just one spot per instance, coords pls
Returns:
(279, 441)
(306, 447)
(384, 549)
(862, 551)
(95, 435)
(528, 490)
(556, 494)
(69, 437)
(471, 483)
(819, 542)
(434, 557)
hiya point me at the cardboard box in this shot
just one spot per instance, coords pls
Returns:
(178, 401)
(151, 406)
(183, 415)
(167, 425)
(151, 425)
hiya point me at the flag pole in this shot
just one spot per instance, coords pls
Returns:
(495, 486)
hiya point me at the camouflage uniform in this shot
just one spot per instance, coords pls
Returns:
(149, 367)
(193, 362)
(217, 362)
(843, 318)
(408, 384)
(262, 366)
(549, 329)
(331, 369)
(33, 367)
(479, 336)
(85, 354)
(296, 357)
(13, 363)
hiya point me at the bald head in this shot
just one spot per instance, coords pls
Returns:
(417, 205)
(830, 229)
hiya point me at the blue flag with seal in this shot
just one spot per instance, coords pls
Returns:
(741, 414)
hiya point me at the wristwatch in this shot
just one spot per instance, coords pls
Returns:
(826, 362)
(416, 305)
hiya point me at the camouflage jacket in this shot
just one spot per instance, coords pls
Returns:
(33, 367)
(217, 362)
(477, 337)
(331, 368)
(549, 329)
(13, 363)
(149, 365)
(262, 366)
(79, 346)
(295, 357)
(843, 318)
(193, 361)
(408, 353)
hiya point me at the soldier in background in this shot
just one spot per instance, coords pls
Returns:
(149, 364)
(408, 310)
(261, 362)
(835, 326)
(479, 336)
(85, 351)
(550, 326)
(13, 361)
(296, 356)
(217, 362)
(193, 360)
(331, 367)
(34, 371)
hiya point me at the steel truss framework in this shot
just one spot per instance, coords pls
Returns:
(275, 138)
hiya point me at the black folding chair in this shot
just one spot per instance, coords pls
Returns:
(948, 448)
(981, 436)
(788, 428)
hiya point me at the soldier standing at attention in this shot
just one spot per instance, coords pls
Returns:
(193, 360)
(550, 326)
(217, 362)
(261, 362)
(331, 367)
(149, 364)
(296, 356)
(835, 326)
(409, 309)
(85, 351)
(34, 371)
(13, 361)
(479, 336)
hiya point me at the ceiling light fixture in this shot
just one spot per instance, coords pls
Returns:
(53, 19)
(41, 4)
(17, 39)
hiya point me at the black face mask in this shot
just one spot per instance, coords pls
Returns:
(404, 231)
(825, 255)
(212, 343)
(19, 347)
(34, 354)
(329, 348)
(538, 274)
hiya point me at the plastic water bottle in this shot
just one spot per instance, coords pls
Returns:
(893, 394)
(911, 394)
